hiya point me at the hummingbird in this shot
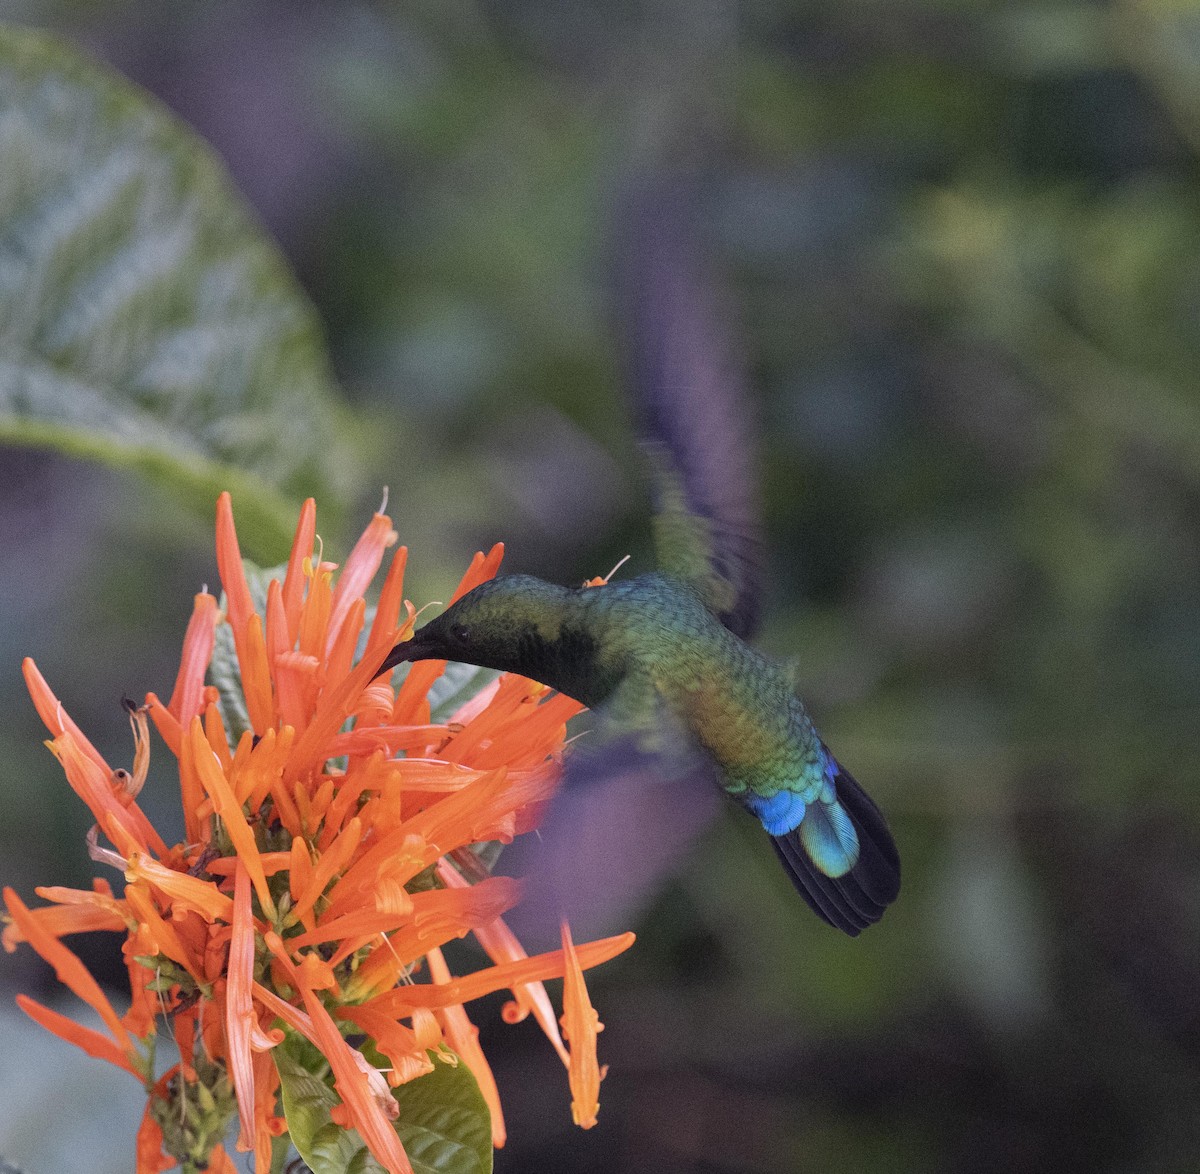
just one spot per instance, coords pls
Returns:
(636, 645)
(669, 650)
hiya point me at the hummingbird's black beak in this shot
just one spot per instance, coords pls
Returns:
(413, 648)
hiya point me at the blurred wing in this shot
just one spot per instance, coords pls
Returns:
(622, 822)
(696, 419)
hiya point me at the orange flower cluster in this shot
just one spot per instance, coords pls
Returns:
(327, 858)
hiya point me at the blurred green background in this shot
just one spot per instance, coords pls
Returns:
(962, 245)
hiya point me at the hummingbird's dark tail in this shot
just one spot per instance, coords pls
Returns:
(858, 898)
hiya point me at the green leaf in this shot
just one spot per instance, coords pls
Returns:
(307, 1101)
(443, 1123)
(146, 319)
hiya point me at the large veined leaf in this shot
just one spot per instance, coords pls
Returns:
(443, 1122)
(146, 319)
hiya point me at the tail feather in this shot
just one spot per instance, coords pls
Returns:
(858, 897)
(829, 838)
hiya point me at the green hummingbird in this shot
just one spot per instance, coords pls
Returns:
(655, 640)
(669, 649)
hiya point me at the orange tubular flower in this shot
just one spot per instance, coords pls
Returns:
(329, 823)
(239, 1009)
(581, 1025)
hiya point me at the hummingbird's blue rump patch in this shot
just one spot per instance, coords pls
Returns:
(779, 813)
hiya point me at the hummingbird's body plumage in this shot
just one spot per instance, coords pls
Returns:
(654, 633)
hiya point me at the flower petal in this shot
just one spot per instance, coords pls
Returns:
(162, 934)
(70, 971)
(92, 1042)
(483, 567)
(238, 604)
(402, 999)
(365, 559)
(150, 1156)
(251, 648)
(580, 1025)
(198, 642)
(312, 748)
(76, 911)
(96, 788)
(239, 1008)
(183, 891)
(219, 1162)
(165, 722)
(54, 717)
(208, 770)
(407, 1050)
(330, 864)
(294, 578)
(391, 597)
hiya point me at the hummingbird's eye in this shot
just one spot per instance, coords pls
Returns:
(461, 633)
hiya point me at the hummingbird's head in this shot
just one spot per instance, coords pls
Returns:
(506, 623)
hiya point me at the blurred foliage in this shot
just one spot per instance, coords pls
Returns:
(144, 320)
(964, 243)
